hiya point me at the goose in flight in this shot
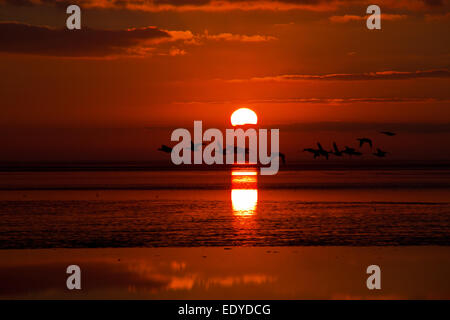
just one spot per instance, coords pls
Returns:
(348, 149)
(322, 151)
(239, 149)
(194, 147)
(236, 149)
(364, 140)
(351, 151)
(388, 133)
(336, 152)
(279, 154)
(224, 150)
(380, 153)
(315, 152)
(165, 149)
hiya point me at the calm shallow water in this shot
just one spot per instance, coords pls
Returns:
(224, 208)
(227, 273)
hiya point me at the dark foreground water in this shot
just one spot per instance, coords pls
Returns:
(227, 273)
(224, 208)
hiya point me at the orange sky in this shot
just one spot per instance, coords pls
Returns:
(137, 70)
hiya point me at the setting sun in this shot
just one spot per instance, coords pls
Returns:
(243, 116)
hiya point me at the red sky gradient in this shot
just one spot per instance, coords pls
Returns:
(114, 90)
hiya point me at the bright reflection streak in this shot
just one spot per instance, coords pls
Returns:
(244, 193)
(244, 201)
(244, 182)
(243, 173)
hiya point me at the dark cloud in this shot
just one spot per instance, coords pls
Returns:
(207, 5)
(204, 2)
(41, 40)
(19, 3)
(183, 2)
(223, 5)
(434, 3)
(160, 2)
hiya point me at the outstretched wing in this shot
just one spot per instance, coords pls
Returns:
(320, 146)
(361, 142)
(283, 158)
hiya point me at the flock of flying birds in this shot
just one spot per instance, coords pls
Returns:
(347, 150)
(316, 152)
(236, 150)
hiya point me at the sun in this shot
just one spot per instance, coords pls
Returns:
(244, 116)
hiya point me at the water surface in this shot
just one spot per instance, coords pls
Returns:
(224, 208)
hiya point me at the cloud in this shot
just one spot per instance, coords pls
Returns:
(19, 3)
(189, 38)
(188, 5)
(42, 40)
(437, 17)
(381, 75)
(181, 35)
(176, 52)
(403, 127)
(345, 18)
(237, 37)
(227, 5)
(349, 18)
(434, 3)
(329, 101)
(349, 100)
(21, 38)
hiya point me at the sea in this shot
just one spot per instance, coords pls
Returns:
(234, 206)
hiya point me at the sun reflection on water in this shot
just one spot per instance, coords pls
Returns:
(244, 201)
(244, 192)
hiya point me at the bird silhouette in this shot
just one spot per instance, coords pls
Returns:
(380, 153)
(322, 151)
(388, 133)
(194, 147)
(165, 149)
(279, 154)
(315, 152)
(336, 152)
(224, 150)
(235, 149)
(348, 149)
(364, 140)
(351, 151)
